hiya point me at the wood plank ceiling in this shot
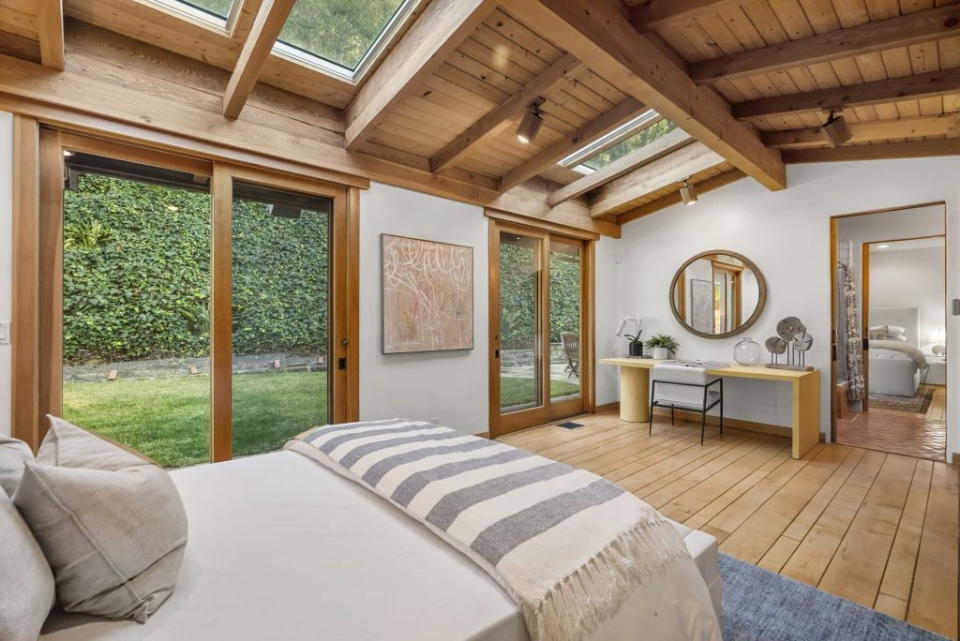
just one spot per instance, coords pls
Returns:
(749, 81)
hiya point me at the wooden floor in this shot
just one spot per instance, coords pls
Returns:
(923, 435)
(875, 528)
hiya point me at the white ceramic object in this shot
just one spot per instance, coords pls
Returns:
(661, 353)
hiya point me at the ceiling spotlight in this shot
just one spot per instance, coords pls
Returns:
(883, 246)
(836, 130)
(688, 193)
(67, 153)
(531, 122)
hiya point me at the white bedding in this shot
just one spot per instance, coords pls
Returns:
(282, 548)
(895, 368)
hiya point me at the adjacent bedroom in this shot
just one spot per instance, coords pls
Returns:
(479, 320)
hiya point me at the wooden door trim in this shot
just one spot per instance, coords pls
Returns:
(500, 423)
(37, 319)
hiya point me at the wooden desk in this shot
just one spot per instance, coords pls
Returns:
(635, 394)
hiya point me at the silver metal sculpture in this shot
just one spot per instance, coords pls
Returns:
(793, 340)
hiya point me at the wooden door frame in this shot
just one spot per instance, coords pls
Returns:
(37, 327)
(834, 261)
(500, 423)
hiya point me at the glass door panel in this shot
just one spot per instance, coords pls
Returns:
(566, 278)
(281, 320)
(136, 293)
(520, 321)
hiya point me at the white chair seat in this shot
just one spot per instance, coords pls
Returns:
(666, 391)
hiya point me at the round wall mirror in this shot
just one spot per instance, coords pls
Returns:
(717, 294)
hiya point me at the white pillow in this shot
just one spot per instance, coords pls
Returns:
(111, 524)
(26, 583)
(13, 454)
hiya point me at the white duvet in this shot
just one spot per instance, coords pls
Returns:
(282, 548)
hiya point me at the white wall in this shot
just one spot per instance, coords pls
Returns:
(6, 263)
(910, 278)
(787, 234)
(449, 386)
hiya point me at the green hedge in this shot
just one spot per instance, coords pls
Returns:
(137, 274)
(518, 284)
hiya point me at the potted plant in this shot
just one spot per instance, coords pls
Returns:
(634, 344)
(662, 346)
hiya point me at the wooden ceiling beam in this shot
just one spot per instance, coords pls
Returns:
(550, 156)
(598, 31)
(50, 33)
(496, 121)
(925, 85)
(702, 187)
(869, 131)
(654, 14)
(256, 49)
(871, 37)
(442, 27)
(916, 149)
(645, 155)
(670, 169)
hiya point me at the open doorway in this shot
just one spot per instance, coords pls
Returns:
(889, 320)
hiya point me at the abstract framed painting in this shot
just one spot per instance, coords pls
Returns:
(427, 295)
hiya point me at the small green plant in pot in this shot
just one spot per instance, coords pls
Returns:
(662, 345)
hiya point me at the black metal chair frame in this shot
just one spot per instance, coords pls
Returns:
(702, 411)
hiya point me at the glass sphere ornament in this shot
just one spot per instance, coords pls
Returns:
(748, 352)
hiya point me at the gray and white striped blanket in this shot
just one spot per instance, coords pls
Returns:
(568, 546)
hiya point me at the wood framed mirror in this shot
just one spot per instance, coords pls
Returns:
(717, 294)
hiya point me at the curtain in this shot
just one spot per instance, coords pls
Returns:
(851, 336)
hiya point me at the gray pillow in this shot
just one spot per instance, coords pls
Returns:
(13, 454)
(26, 583)
(111, 524)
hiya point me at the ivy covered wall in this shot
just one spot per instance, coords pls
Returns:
(137, 274)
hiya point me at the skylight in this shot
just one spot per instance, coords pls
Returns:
(633, 135)
(340, 36)
(216, 7)
(640, 139)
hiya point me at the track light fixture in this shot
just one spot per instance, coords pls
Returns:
(688, 193)
(836, 130)
(531, 122)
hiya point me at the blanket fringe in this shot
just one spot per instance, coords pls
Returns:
(573, 609)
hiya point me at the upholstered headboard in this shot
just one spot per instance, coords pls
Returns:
(906, 317)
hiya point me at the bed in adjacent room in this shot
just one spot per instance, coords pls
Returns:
(897, 365)
(281, 547)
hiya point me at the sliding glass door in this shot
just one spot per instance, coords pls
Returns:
(538, 327)
(197, 311)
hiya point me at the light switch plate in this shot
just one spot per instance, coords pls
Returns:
(4, 333)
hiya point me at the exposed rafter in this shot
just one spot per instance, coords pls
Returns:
(926, 85)
(915, 149)
(654, 14)
(50, 33)
(905, 30)
(943, 125)
(442, 27)
(555, 76)
(670, 169)
(605, 124)
(256, 49)
(647, 154)
(702, 187)
(598, 31)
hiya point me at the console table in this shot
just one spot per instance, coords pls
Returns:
(805, 427)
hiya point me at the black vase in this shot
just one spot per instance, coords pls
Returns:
(636, 349)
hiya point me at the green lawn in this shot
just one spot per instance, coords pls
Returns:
(168, 419)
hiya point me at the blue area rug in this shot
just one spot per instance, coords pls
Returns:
(763, 606)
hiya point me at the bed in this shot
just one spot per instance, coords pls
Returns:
(283, 548)
(896, 362)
